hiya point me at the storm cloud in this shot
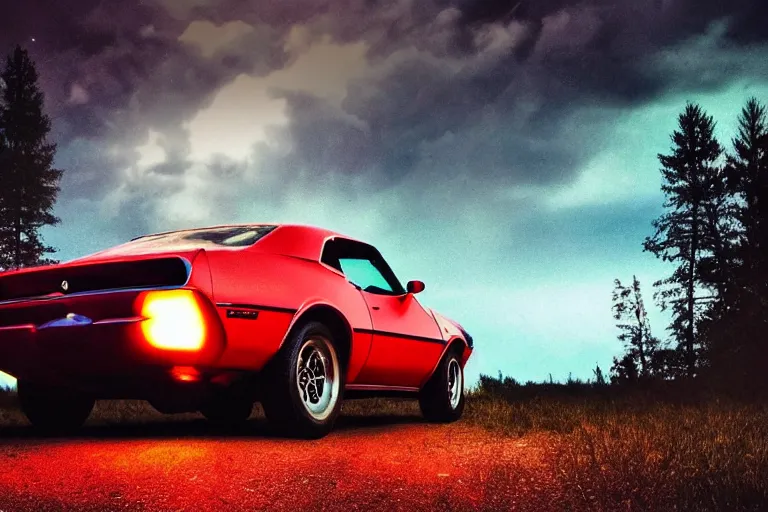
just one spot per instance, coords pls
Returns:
(505, 79)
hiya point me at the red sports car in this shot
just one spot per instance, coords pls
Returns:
(215, 319)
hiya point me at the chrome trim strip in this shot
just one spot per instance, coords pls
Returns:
(256, 307)
(113, 321)
(109, 321)
(388, 334)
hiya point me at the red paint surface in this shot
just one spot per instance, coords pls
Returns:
(281, 277)
(394, 360)
(376, 466)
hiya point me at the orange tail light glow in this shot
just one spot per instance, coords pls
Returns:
(173, 320)
(185, 374)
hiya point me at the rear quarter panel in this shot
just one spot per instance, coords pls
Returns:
(281, 288)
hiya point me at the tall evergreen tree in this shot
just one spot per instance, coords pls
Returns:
(635, 330)
(719, 262)
(747, 173)
(28, 182)
(738, 339)
(683, 234)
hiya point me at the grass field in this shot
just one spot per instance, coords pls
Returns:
(611, 453)
(624, 455)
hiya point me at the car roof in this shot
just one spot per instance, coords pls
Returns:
(298, 240)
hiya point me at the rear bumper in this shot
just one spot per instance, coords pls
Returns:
(96, 349)
(93, 339)
(108, 361)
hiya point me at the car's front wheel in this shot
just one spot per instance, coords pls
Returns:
(442, 399)
(304, 383)
(54, 410)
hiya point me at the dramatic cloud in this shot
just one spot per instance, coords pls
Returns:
(504, 151)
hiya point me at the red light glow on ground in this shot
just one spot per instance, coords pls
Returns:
(399, 467)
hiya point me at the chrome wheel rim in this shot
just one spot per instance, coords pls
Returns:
(455, 383)
(317, 377)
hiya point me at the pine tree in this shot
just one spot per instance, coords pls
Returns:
(683, 234)
(28, 182)
(738, 338)
(747, 179)
(629, 310)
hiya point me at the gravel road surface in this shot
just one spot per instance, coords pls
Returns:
(367, 463)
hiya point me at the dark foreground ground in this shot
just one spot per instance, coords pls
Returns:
(539, 454)
(386, 462)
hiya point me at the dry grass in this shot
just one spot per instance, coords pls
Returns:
(620, 454)
(713, 457)
(610, 453)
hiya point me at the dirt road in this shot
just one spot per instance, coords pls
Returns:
(368, 463)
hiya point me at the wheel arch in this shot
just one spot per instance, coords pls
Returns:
(334, 320)
(455, 343)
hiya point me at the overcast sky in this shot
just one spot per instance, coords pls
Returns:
(505, 154)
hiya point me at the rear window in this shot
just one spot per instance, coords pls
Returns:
(233, 236)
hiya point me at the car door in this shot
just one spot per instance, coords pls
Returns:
(407, 341)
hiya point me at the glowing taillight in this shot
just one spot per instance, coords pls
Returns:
(173, 320)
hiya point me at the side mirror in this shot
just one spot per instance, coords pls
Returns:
(415, 287)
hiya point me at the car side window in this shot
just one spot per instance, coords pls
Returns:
(362, 265)
(364, 274)
(330, 255)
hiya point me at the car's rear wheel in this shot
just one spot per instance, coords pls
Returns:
(303, 385)
(54, 410)
(227, 411)
(442, 399)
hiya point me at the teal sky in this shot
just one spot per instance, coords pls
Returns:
(510, 163)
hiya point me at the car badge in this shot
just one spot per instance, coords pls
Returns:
(64, 285)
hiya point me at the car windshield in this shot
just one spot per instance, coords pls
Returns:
(232, 236)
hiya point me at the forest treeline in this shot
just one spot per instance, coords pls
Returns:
(714, 235)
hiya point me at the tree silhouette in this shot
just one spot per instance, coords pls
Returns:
(624, 370)
(28, 182)
(683, 234)
(738, 337)
(599, 376)
(668, 363)
(747, 179)
(635, 330)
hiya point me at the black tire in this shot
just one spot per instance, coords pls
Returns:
(54, 410)
(227, 411)
(435, 399)
(283, 402)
